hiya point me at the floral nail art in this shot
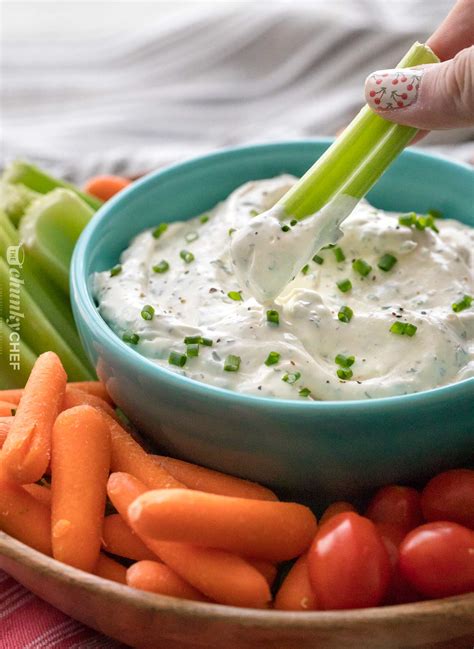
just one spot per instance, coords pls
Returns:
(391, 89)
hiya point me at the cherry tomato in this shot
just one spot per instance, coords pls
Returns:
(348, 563)
(438, 559)
(399, 506)
(336, 508)
(392, 536)
(399, 591)
(449, 496)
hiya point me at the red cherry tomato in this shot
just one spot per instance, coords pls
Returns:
(399, 591)
(336, 508)
(392, 536)
(399, 506)
(438, 559)
(348, 563)
(449, 496)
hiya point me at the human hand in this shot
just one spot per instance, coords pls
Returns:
(438, 96)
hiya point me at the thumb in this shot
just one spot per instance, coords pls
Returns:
(438, 96)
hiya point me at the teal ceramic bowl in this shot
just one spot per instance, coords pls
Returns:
(326, 449)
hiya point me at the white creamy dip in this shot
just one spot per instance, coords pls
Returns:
(432, 271)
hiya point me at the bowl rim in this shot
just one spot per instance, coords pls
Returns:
(82, 299)
(16, 551)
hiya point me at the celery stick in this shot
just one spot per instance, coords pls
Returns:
(14, 199)
(359, 156)
(52, 301)
(36, 179)
(49, 231)
(20, 310)
(14, 370)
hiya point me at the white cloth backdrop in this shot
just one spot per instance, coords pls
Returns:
(127, 86)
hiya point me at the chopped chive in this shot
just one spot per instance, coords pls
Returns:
(232, 363)
(407, 219)
(186, 256)
(339, 254)
(272, 358)
(116, 270)
(403, 329)
(231, 231)
(344, 285)
(419, 222)
(192, 340)
(427, 221)
(318, 260)
(398, 328)
(345, 314)
(130, 337)
(254, 212)
(235, 295)
(192, 350)
(329, 246)
(387, 262)
(162, 267)
(198, 340)
(463, 304)
(273, 316)
(204, 218)
(285, 228)
(361, 267)
(436, 214)
(191, 236)
(304, 392)
(291, 377)
(293, 222)
(305, 269)
(148, 312)
(159, 230)
(344, 361)
(344, 374)
(177, 358)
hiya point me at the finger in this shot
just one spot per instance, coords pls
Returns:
(456, 32)
(439, 96)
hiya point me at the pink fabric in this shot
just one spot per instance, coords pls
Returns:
(26, 622)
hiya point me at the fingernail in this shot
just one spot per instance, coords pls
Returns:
(393, 89)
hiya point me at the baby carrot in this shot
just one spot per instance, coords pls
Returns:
(214, 482)
(5, 425)
(12, 396)
(42, 494)
(97, 388)
(275, 531)
(223, 577)
(296, 592)
(119, 539)
(80, 465)
(156, 577)
(74, 397)
(24, 517)
(27, 449)
(129, 457)
(104, 187)
(7, 409)
(266, 568)
(107, 568)
(336, 508)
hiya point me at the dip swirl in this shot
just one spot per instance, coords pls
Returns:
(334, 307)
